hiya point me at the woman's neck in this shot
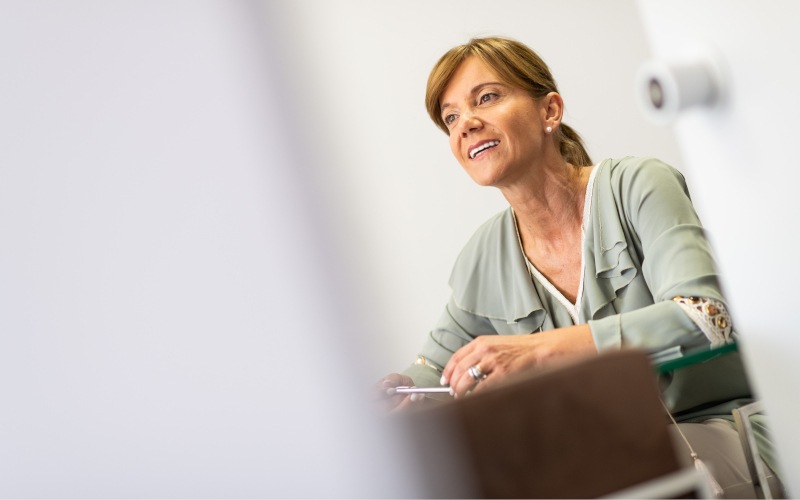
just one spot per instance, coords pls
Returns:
(548, 205)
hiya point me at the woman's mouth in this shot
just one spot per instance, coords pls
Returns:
(482, 148)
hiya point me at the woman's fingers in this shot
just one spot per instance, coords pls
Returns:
(455, 368)
(488, 382)
(396, 379)
(462, 379)
(384, 396)
(479, 351)
(378, 390)
(403, 405)
(455, 359)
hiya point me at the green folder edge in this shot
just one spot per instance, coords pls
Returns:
(693, 359)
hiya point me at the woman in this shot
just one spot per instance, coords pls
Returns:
(587, 257)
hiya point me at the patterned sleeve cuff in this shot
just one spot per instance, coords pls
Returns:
(710, 316)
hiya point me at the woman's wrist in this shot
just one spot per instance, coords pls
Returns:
(569, 340)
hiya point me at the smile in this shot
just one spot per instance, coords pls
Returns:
(481, 148)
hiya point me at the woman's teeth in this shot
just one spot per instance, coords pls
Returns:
(485, 145)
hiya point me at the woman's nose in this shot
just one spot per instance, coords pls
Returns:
(469, 123)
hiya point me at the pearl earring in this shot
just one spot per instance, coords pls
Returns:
(549, 129)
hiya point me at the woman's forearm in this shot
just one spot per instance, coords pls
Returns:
(662, 324)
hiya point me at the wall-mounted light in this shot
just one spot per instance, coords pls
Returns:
(664, 89)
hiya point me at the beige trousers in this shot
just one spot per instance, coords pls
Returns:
(716, 442)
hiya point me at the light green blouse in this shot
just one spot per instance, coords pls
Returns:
(643, 245)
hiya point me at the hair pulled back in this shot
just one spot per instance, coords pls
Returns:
(516, 65)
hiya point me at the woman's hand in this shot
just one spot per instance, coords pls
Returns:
(501, 355)
(387, 401)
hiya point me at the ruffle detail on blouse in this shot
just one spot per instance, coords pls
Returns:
(612, 262)
(490, 278)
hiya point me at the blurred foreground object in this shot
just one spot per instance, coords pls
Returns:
(169, 323)
(742, 169)
(580, 431)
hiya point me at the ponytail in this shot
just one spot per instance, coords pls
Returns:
(572, 148)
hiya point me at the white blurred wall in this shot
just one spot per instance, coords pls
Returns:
(402, 204)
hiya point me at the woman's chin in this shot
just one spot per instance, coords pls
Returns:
(484, 178)
(489, 171)
(487, 183)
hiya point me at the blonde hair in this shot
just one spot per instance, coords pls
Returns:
(516, 65)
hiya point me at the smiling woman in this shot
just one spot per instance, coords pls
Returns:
(520, 70)
(494, 128)
(587, 257)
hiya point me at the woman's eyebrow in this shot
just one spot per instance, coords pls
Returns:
(481, 85)
(474, 89)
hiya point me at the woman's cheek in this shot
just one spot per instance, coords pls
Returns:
(455, 148)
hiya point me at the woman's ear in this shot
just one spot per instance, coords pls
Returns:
(554, 109)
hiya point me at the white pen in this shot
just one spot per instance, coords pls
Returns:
(422, 390)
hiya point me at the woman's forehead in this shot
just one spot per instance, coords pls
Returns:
(466, 80)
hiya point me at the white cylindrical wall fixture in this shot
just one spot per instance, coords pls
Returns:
(666, 88)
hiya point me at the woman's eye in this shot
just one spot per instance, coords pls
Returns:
(449, 119)
(487, 97)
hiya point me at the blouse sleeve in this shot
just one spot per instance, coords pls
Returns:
(455, 329)
(676, 261)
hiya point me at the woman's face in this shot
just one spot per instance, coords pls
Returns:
(497, 132)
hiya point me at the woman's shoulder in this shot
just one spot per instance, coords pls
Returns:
(633, 175)
(500, 224)
(487, 245)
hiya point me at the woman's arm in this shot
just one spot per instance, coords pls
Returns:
(501, 355)
(462, 339)
(455, 329)
(676, 261)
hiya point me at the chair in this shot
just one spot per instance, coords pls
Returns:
(741, 417)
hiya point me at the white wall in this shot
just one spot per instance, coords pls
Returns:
(400, 200)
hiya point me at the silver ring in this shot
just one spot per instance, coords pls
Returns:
(476, 373)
